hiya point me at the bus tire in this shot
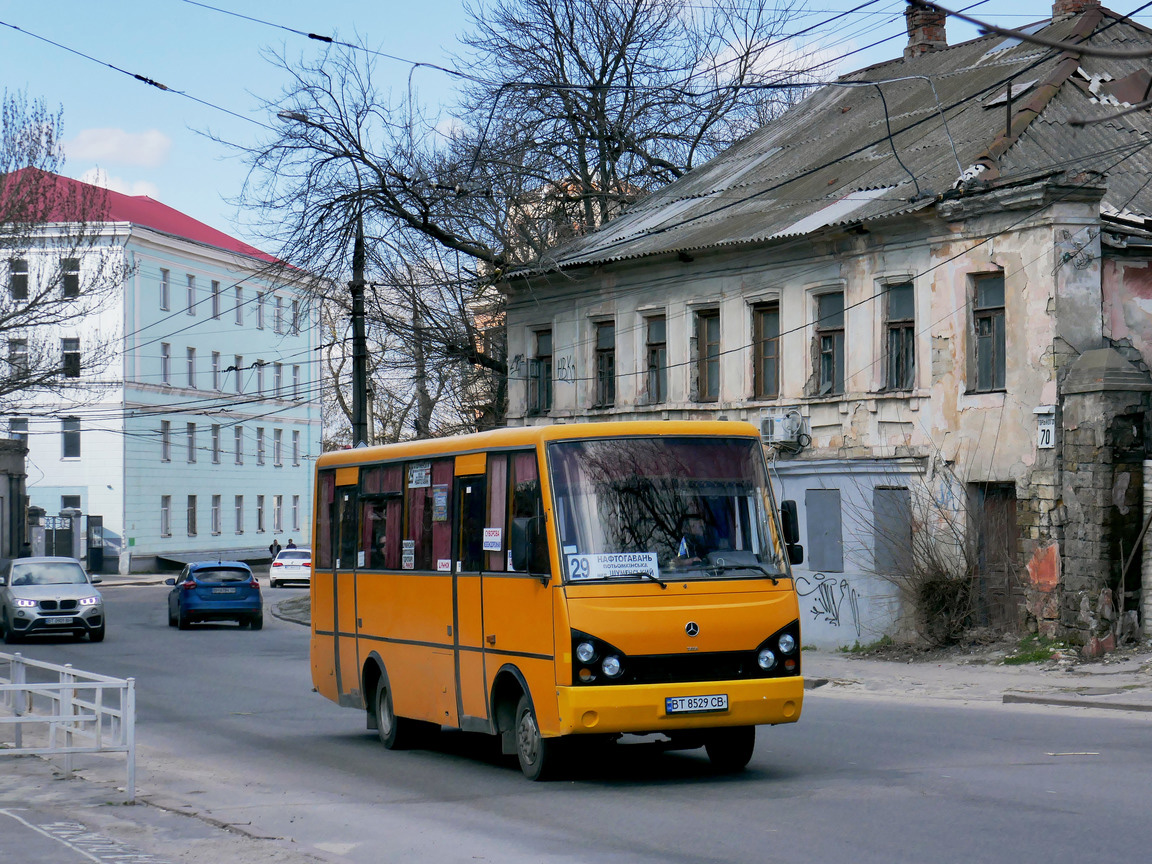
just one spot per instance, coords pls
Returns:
(396, 733)
(539, 757)
(730, 749)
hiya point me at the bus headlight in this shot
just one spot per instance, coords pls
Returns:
(766, 659)
(611, 667)
(585, 652)
(787, 644)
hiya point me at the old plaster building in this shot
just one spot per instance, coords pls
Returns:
(184, 420)
(930, 284)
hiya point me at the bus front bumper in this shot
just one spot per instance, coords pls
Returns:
(644, 708)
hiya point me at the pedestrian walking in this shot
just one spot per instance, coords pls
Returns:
(274, 548)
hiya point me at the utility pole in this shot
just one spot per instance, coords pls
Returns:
(359, 345)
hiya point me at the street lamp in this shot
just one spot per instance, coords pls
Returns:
(356, 288)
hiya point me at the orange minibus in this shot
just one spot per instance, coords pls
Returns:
(545, 583)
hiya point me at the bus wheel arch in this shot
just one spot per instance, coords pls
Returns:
(370, 677)
(507, 688)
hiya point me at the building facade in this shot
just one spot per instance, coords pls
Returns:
(191, 417)
(941, 330)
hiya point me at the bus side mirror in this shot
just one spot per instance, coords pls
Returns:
(529, 548)
(789, 523)
(795, 553)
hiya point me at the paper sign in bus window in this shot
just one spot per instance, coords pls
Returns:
(493, 538)
(610, 565)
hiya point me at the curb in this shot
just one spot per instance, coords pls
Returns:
(1064, 701)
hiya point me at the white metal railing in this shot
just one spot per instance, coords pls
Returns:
(67, 712)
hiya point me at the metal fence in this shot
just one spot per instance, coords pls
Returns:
(58, 711)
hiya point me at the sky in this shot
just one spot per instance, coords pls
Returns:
(141, 140)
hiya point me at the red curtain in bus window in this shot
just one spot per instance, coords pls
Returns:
(371, 517)
(497, 508)
(326, 492)
(393, 485)
(443, 472)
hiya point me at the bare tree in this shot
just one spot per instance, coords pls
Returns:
(60, 268)
(570, 111)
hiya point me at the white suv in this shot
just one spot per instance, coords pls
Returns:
(49, 595)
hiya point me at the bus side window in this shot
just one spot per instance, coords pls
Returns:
(428, 528)
(326, 493)
(381, 490)
(528, 503)
(497, 507)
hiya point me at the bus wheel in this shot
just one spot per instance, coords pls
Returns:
(731, 749)
(396, 733)
(539, 756)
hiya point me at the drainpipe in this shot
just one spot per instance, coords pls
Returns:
(1146, 560)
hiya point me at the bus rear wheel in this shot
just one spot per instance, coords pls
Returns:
(731, 749)
(396, 733)
(539, 757)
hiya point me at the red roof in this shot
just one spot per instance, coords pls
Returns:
(138, 210)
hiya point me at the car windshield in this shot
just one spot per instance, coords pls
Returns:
(294, 554)
(48, 573)
(221, 575)
(637, 507)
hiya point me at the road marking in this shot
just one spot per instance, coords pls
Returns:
(95, 847)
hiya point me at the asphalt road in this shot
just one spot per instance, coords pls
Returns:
(230, 730)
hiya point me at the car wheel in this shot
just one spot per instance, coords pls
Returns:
(171, 618)
(182, 620)
(96, 635)
(539, 757)
(731, 749)
(272, 583)
(10, 636)
(256, 622)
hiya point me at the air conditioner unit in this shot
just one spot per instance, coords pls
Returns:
(781, 425)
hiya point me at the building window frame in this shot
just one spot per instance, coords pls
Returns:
(70, 356)
(259, 445)
(900, 336)
(216, 300)
(259, 514)
(238, 508)
(215, 443)
(540, 374)
(216, 376)
(238, 444)
(707, 354)
(165, 515)
(239, 305)
(278, 448)
(70, 438)
(766, 350)
(216, 502)
(277, 513)
(165, 440)
(295, 446)
(70, 277)
(165, 289)
(238, 367)
(166, 363)
(190, 432)
(18, 278)
(989, 337)
(191, 296)
(192, 515)
(190, 357)
(656, 358)
(604, 344)
(829, 342)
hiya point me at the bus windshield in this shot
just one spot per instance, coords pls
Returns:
(634, 508)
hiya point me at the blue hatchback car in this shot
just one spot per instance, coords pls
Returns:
(215, 591)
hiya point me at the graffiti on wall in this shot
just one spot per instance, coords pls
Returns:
(835, 603)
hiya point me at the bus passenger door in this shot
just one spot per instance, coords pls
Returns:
(345, 527)
(471, 674)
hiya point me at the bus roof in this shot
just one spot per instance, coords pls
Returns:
(530, 436)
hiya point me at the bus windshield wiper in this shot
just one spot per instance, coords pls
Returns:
(644, 574)
(724, 568)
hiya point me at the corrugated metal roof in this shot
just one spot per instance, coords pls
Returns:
(830, 161)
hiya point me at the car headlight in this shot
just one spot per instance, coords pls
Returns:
(27, 604)
(787, 644)
(611, 667)
(89, 601)
(585, 652)
(766, 659)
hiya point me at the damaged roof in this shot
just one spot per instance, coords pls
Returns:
(830, 160)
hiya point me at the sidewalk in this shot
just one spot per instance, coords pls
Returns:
(1118, 682)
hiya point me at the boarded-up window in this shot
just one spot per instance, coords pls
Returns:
(891, 529)
(825, 540)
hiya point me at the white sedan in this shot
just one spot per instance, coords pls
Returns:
(291, 565)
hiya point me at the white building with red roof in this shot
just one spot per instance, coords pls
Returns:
(195, 435)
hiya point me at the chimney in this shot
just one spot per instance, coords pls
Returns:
(926, 29)
(1063, 8)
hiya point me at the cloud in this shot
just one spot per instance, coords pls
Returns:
(99, 177)
(148, 149)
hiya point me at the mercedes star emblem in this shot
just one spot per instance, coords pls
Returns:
(691, 628)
